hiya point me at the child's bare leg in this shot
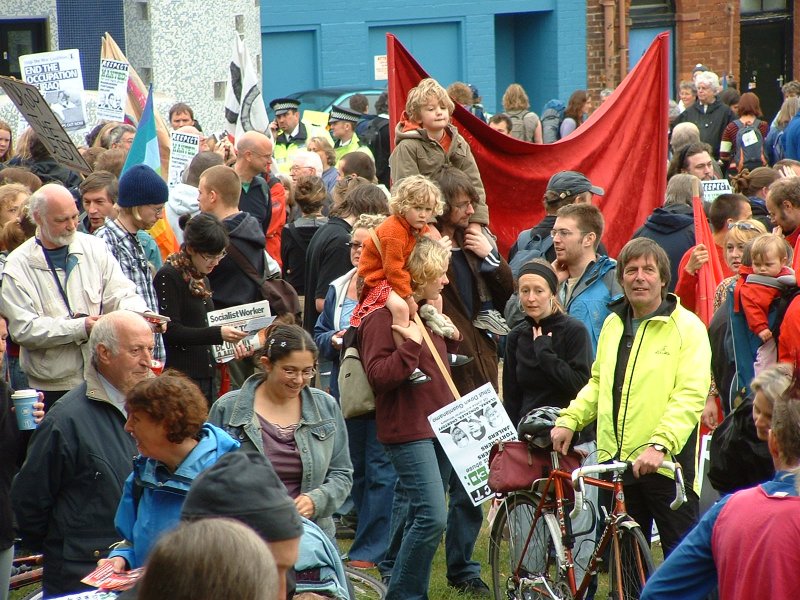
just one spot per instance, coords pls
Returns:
(401, 315)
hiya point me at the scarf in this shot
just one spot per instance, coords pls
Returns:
(183, 264)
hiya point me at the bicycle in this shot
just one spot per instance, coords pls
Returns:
(365, 587)
(531, 541)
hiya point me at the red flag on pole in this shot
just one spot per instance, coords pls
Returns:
(710, 274)
(622, 148)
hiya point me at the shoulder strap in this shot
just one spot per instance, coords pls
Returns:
(436, 357)
(244, 264)
(375, 239)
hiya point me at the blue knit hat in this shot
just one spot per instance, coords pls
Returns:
(140, 185)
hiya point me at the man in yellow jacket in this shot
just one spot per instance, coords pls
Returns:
(647, 391)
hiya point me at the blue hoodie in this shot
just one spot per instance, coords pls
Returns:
(162, 495)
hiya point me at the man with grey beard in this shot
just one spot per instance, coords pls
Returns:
(54, 288)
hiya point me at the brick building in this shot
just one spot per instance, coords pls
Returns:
(753, 41)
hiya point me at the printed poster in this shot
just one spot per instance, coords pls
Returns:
(467, 429)
(112, 90)
(184, 147)
(60, 80)
(714, 188)
(251, 318)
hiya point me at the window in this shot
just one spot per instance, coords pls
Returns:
(756, 6)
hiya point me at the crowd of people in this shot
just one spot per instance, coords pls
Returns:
(240, 476)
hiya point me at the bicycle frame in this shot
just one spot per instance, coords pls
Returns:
(554, 500)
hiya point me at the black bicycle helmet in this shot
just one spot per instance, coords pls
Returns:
(535, 427)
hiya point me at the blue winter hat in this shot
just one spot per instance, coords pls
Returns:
(139, 186)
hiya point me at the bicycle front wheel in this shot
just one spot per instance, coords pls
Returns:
(523, 565)
(631, 562)
(365, 587)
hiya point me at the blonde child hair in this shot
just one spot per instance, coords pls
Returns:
(420, 95)
(415, 190)
(763, 244)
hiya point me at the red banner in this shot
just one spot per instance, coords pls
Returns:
(622, 147)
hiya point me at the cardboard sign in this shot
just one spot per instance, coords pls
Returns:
(467, 429)
(714, 188)
(30, 102)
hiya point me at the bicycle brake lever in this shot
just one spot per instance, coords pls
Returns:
(680, 488)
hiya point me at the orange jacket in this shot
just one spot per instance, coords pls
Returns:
(397, 241)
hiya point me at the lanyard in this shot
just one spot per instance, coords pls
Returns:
(55, 276)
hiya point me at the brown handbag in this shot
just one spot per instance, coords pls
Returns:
(514, 466)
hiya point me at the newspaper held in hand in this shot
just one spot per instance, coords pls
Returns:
(105, 578)
(467, 429)
(251, 318)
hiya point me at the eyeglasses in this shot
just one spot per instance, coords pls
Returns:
(291, 373)
(214, 257)
(462, 205)
(565, 233)
(297, 168)
(743, 225)
(355, 245)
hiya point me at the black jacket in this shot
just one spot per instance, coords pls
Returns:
(327, 257)
(230, 285)
(543, 229)
(9, 452)
(711, 123)
(672, 228)
(547, 371)
(257, 201)
(189, 338)
(66, 494)
(294, 244)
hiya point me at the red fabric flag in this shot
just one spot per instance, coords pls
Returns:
(710, 274)
(796, 256)
(622, 148)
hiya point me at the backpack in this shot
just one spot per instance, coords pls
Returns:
(371, 135)
(529, 246)
(749, 148)
(379, 145)
(552, 115)
(519, 128)
(778, 149)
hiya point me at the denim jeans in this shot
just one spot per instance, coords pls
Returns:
(373, 489)
(423, 471)
(463, 526)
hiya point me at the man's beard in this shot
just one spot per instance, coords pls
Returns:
(57, 240)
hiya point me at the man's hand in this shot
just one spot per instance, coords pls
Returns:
(88, 323)
(562, 437)
(477, 244)
(710, 416)
(765, 335)
(117, 562)
(648, 462)
(562, 272)
(305, 506)
(697, 259)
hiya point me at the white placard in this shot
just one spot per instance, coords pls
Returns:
(184, 147)
(58, 77)
(112, 90)
(240, 317)
(714, 188)
(381, 67)
(467, 429)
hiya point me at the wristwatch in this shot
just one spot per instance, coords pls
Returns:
(660, 448)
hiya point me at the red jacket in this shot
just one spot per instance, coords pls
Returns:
(402, 409)
(278, 220)
(756, 299)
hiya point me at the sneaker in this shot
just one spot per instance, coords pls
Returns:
(491, 320)
(458, 360)
(418, 377)
(474, 587)
(362, 564)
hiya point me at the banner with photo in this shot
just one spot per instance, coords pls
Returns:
(467, 429)
(58, 77)
(112, 90)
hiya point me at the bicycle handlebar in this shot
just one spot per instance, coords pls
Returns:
(618, 467)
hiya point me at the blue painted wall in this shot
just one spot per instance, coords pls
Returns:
(538, 43)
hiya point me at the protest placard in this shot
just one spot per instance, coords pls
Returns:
(251, 318)
(714, 188)
(58, 77)
(30, 102)
(467, 429)
(184, 147)
(112, 90)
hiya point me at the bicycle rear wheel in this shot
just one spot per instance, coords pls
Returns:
(631, 562)
(514, 563)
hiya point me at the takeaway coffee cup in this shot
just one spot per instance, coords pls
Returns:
(23, 407)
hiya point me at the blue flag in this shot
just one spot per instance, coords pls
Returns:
(144, 149)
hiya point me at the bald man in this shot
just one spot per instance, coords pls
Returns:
(254, 157)
(55, 287)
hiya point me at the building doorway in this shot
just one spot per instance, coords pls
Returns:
(17, 38)
(765, 62)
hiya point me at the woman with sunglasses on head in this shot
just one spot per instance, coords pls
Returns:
(300, 429)
(184, 295)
